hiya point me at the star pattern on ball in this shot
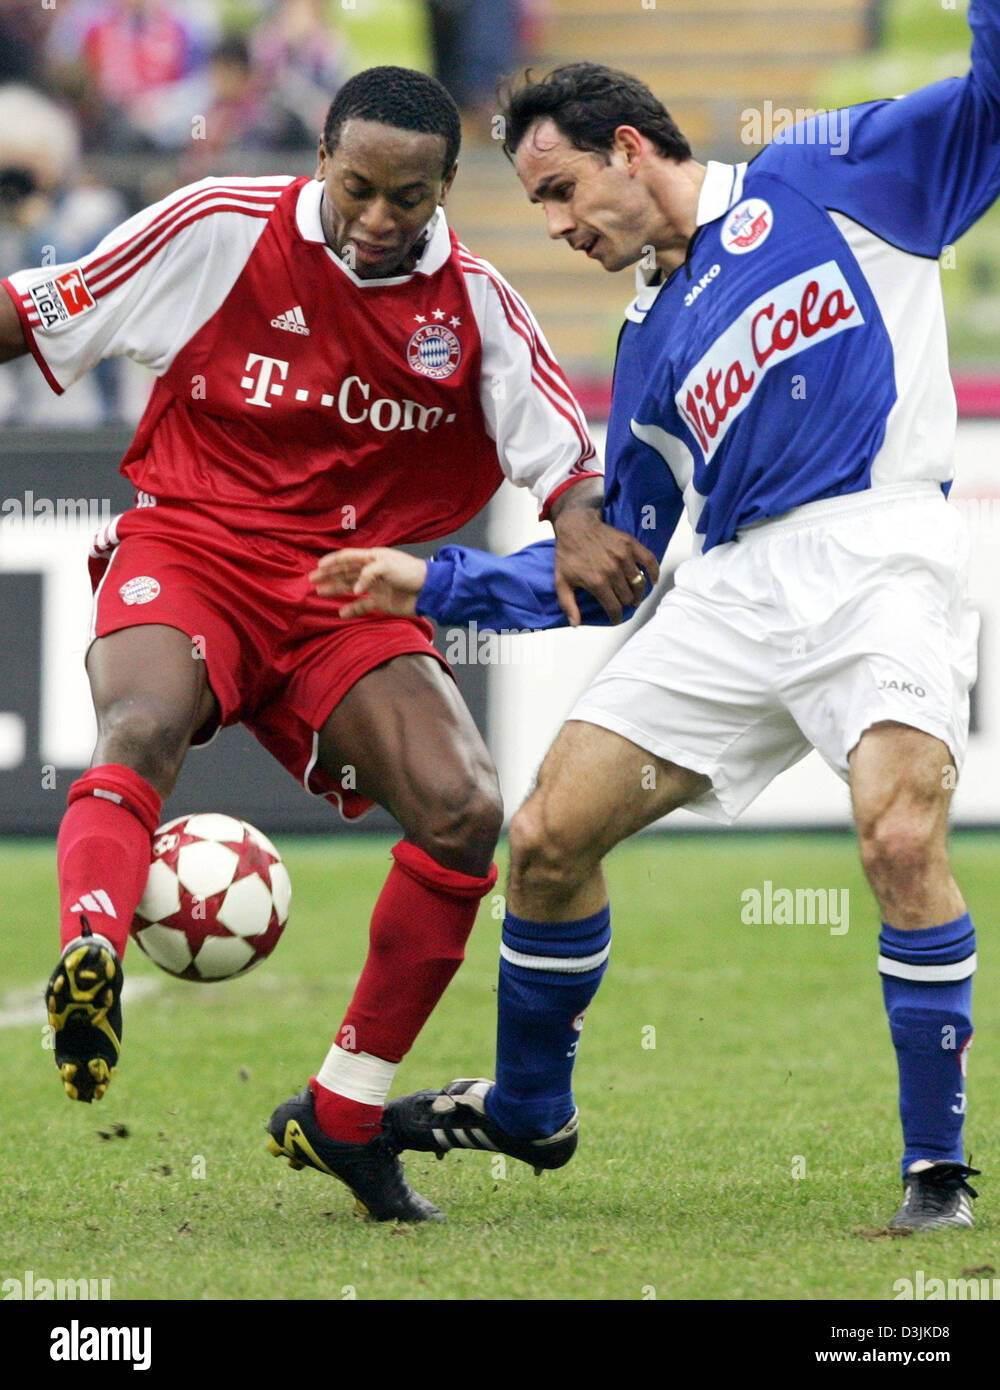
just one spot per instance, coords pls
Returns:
(216, 900)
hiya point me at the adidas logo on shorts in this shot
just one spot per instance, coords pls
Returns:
(292, 321)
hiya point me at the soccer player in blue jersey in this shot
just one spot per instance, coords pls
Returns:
(783, 375)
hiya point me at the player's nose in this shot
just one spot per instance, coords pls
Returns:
(560, 222)
(378, 220)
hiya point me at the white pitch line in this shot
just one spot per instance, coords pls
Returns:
(23, 1006)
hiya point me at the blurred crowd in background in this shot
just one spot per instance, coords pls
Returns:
(107, 105)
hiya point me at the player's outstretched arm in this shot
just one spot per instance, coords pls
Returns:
(461, 585)
(12, 342)
(464, 585)
(500, 593)
(918, 170)
(380, 579)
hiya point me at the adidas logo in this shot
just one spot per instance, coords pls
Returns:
(292, 321)
(95, 901)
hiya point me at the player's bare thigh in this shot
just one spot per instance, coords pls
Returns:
(901, 788)
(406, 729)
(150, 699)
(594, 789)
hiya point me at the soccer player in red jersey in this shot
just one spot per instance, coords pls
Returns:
(333, 368)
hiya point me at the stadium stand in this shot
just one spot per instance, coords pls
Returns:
(710, 63)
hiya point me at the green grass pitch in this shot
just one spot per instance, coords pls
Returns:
(736, 1084)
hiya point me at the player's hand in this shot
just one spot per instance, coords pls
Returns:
(610, 564)
(384, 580)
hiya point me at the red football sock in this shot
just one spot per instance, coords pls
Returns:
(104, 850)
(419, 928)
(339, 1117)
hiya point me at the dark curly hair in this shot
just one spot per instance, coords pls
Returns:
(588, 102)
(399, 97)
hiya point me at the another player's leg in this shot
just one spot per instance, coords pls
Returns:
(416, 750)
(150, 698)
(594, 789)
(901, 780)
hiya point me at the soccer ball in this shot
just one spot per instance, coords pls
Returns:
(216, 900)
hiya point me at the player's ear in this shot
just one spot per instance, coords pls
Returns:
(321, 158)
(629, 144)
(449, 179)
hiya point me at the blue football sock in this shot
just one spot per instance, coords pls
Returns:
(927, 987)
(549, 973)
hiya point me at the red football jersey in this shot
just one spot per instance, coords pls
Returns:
(296, 399)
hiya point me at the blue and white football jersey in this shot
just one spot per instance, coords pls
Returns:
(800, 352)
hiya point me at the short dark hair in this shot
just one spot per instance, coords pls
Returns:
(400, 97)
(588, 102)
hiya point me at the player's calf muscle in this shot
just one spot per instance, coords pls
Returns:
(906, 862)
(904, 853)
(901, 799)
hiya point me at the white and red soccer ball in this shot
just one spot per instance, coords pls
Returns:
(216, 901)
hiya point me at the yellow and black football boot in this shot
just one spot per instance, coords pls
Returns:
(372, 1171)
(83, 998)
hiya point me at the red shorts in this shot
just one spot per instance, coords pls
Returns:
(279, 659)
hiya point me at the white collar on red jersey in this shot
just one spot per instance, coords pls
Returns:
(721, 189)
(433, 257)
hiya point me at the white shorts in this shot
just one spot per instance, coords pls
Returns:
(801, 634)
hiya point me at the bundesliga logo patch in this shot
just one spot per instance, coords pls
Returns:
(60, 300)
(434, 351)
(142, 589)
(747, 227)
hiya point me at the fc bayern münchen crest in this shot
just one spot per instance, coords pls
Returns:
(434, 351)
(143, 589)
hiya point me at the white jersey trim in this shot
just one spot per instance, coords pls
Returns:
(310, 226)
(530, 412)
(919, 441)
(721, 189)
